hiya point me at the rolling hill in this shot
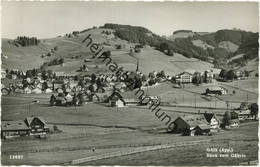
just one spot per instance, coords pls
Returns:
(192, 52)
(73, 52)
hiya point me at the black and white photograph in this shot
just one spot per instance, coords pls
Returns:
(129, 83)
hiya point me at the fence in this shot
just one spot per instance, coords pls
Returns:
(134, 151)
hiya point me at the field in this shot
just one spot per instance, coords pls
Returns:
(109, 129)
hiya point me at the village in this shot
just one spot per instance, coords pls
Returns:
(108, 89)
(140, 93)
(195, 103)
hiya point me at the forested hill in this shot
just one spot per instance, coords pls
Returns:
(233, 46)
(144, 36)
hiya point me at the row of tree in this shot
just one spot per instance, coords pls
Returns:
(27, 41)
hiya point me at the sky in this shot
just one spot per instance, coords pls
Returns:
(53, 18)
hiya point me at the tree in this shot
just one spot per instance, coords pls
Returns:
(246, 73)
(61, 61)
(170, 52)
(138, 82)
(144, 78)
(196, 79)
(93, 78)
(151, 75)
(163, 46)
(226, 119)
(206, 77)
(222, 73)
(55, 48)
(81, 83)
(230, 75)
(84, 67)
(29, 74)
(254, 109)
(44, 75)
(161, 74)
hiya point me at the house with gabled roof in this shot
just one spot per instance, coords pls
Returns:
(191, 125)
(115, 99)
(243, 114)
(11, 129)
(213, 120)
(184, 77)
(37, 125)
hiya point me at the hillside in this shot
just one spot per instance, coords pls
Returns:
(181, 34)
(187, 52)
(74, 53)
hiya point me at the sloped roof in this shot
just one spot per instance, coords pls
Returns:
(242, 112)
(183, 73)
(194, 120)
(204, 126)
(209, 116)
(232, 121)
(116, 96)
(29, 120)
(14, 125)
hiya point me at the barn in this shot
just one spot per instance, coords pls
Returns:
(37, 125)
(11, 129)
(191, 125)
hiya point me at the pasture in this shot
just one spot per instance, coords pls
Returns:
(109, 129)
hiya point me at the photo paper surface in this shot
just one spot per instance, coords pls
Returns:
(129, 83)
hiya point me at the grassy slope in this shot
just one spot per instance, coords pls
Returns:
(150, 59)
(242, 139)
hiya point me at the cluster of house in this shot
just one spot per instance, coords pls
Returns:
(189, 75)
(199, 124)
(208, 123)
(30, 126)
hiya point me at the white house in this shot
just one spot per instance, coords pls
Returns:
(3, 73)
(216, 90)
(184, 77)
(213, 120)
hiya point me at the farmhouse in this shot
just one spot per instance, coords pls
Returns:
(37, 125)
(148, 99)
(213, 120)
(184, 77)
(10, 129)
(93, 97)
(191, 125)
(234, 123)
(217, 90)
(115, 99)
(244, 115)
